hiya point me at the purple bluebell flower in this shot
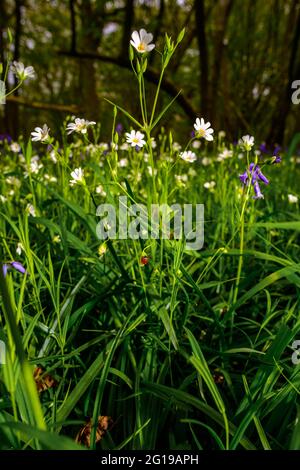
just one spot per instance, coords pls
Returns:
(258, 193)
(256, 175)
(13, 264)
(18, 266)
(6, 137)
(263, 148)
(119, 128)
(276, 159)
(5, 269)
(244, 177)
(276, 150)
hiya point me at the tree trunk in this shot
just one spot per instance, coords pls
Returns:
(203, 59)
(128, 21)
(92, 20)
(12, 108)
(277, 131)
(3, 27)
(218, 54)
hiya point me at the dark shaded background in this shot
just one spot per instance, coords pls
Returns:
(235, 65)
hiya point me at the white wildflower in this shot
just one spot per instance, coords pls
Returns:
(188, 156)
(21, 71)
(19, 249)
(206, 161)
(209, 185)
(78, 176)
(247, 142)
(100, 190)
(135, 138)
(80, 125)
(203, 129)
(40, 134)
(141, 41)
(196, 144)
(292, 199)
(225, 154)
(15, 147)
(31, 210)
(176, 147)
(123, 162)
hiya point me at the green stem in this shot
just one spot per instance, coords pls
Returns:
(242, 233)
(13, 90)
(142, 101)
(155, 197)
(30, 392)
(156, 96)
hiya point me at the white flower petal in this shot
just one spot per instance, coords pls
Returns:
(135, 38)
(143, 35)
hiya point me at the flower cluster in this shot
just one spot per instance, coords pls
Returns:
(188, 156)
(254, 174)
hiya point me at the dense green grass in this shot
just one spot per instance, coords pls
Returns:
(147, 345)
(192, 350)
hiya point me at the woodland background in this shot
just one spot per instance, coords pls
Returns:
(235, 66)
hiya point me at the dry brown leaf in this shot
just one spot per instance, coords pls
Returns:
(84, 435)
(43, 381)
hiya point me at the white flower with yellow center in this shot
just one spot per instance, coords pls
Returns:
(225, 154)
(123, 162)
(292, 199)
(15, 147)
(100, 190)
(209, 185)
(188, 156)
(135, 138)
(40, 134)
(31, 210)
(247, 142)
(203, 129)
(141, 41)
(80, 126)
(176, 147)
(21, 71)
(78, 176)
(206, 161)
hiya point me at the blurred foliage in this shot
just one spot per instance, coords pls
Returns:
(235, 67)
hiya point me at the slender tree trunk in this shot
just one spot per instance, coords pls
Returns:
(223, 14)
(3, 27)
(73, 25)
(279, 120)
(12, 108)
(128, 22)
(92, 19)
(203, 58)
